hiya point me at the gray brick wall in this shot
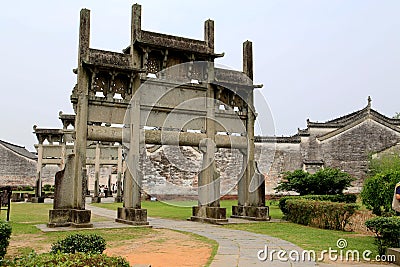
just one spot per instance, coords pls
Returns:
(15, 169)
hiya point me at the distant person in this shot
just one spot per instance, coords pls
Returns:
(106, 191)
(101, 191)
(396, 199)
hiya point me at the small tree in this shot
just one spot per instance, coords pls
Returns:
(383, 164)
(377, 192)
(324, 182)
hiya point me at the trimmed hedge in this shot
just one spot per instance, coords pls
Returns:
(5, 234)
(80, 243)
(386, 230)
(331, 198)
(78, 259)
(321, 214)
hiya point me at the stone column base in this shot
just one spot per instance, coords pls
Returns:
(59, 218)
(251, 213)
(214, 215)
(132, 216)
(69, 217)
(81, 218)
(37, 200)
(96, 199)
(118, 199)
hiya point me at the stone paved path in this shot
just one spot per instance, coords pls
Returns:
(236, 248)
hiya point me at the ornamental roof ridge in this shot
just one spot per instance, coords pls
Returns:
(351, 117)
(20, 150)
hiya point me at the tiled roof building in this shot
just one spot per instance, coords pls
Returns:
(17, 165)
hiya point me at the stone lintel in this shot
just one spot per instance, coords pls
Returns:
(113, 134)
(251, 213)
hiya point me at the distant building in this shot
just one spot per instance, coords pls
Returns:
(17, 165)
(344, 143)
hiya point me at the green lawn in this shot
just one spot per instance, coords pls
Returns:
(308, 237)
(24, 217)
(305, 237)
(181, 210)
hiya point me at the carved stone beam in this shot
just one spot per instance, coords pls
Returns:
(92, 90)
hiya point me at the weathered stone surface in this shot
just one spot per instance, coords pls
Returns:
(81, 218)
(17, 165)
(59, 218)
(349, 151)
(251, 213)
(215, 215)
(64, 186)
(132, 216)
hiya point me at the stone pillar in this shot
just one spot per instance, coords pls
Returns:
(38, 189)
(209, 33)
(208, 209)
(96, 198)
(132, 212)
(76, 167)
(118, 198)
(251, 187)
(109, 192)
(63, 212)
(63, 156)
(136, 21)
(82, 108)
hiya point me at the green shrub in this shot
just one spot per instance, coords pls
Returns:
(5, 234)
(80, 243)
(332, 198)
(68, 260)
(321, 214)
(27, 188)
(48, 188)
(383, 164)
(377, 192)
(386, 230)
(324, 182)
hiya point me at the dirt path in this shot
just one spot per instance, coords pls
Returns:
(164, 248)
(161, 248)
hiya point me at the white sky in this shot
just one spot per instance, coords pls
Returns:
(317, 59)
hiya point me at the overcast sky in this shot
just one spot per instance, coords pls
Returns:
(317, 59)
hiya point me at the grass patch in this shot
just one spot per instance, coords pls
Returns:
(310, 238)
(25, 216)
(181, 210)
